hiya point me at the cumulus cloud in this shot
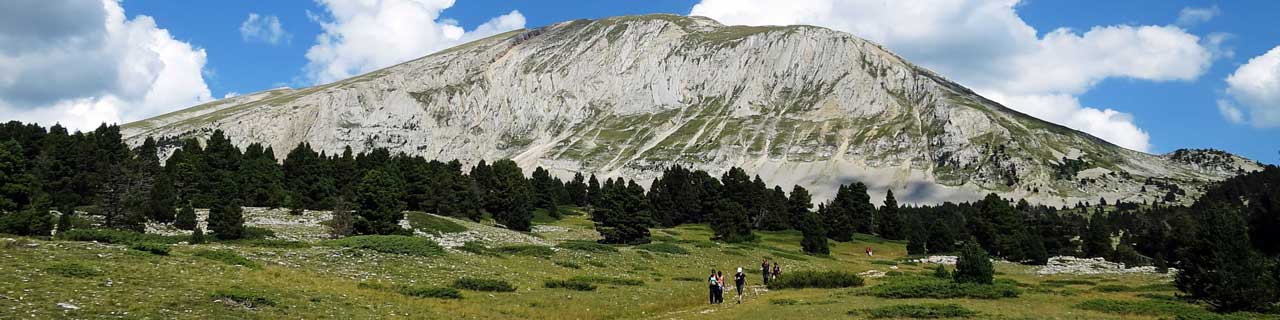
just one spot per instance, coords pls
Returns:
(1255, 86)
(263, 28)
(365, 35)
(986, 46)
(82, 63)
(1191, 16)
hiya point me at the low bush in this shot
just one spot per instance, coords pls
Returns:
(477, 247)
(1067, 282)
(587, 246)
(917, 311)
(244, 297)
(257, 233)
(916, 287)
(663, 248)
(569, 284)
(568, 264)
(430, 292)
(117, 236)
(527, 250)
(1152, 308)
(433, 224)
(816, 279)
(406, 245)
(227, 257)
(73, 270)
(608, 280)
(479, 284)
(884, 262)
(1154, 287)
(784, 302)
(689, 279)
(151, 247)
(270, 243)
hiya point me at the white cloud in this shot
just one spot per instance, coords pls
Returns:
(1190, 16)
(1230, 112)
(365, 35)
(985, 45)
(1256, 87)
(263, 28)
(98, 67)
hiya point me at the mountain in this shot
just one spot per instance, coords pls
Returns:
(627, 96)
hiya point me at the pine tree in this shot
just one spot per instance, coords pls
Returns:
(889, 221)
(509, 196)
(186, 218)
(593, 191)
(577, 189)
(1222, 269)
(379, 208)
(197, 236)
(838, 215)
(941, 272)
(226, 220)
(973, 265)
(66, 218)
(161, 200)
(729, 223)
(343, 223)
(917, 238)
(623, 215)
(1097, 238)
(15, 183)
(814, 239)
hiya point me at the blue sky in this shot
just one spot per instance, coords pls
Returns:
(1164, 87)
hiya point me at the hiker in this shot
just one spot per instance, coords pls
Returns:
(739, 280)
(764, 271)
(869, 252)
(712, 286)
(720, 292)
(777, 270)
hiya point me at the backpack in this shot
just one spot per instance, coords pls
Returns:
(713, 280)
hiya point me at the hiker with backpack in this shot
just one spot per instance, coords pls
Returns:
(739, 280)
(777, 270)
(712, 286)
(764, 271)
(720, 291)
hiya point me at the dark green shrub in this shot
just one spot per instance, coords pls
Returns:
(816, 279)
(73, 270)
(117, 236)
(568, 264)
(663, 248)
(1067, 282)
(478, 284)
(689, 279)
(477, 247)
(430, 292)
(151, 247)
(608, 280)
(973, 265)
(246, 298)
(569, 284)
(1140, 307)
(918, 287)
(250, 232)
(531, 250)
(587, 246)
(784, 302)
(918, 311)
(941, 272)
(884, 262)
(433, 224)
(227, 257)
(407, 245)
(271, 243)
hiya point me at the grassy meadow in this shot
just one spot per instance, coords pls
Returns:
(348, 280)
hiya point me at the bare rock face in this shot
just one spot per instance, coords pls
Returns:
(627, 96)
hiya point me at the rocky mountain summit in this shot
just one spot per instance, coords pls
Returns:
(627, 96)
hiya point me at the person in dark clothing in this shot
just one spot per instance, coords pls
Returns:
(764, 271)
(777, 270)
(739, 280)
(712, 286)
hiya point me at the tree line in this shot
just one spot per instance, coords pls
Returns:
(1233, 227)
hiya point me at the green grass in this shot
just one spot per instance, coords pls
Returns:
(227, 257)
(1140, 307)
(917, 311)
(481, 284)
(816, 279)
(663, 248)
(917, 287)
(406, 245)
(433, 224)
(568, 264)
(73, 270)
(569, 284)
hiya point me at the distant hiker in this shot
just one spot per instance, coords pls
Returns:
(712, 286)
(869, 252)
(764, 271)
(739, 280)
(777, 270)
